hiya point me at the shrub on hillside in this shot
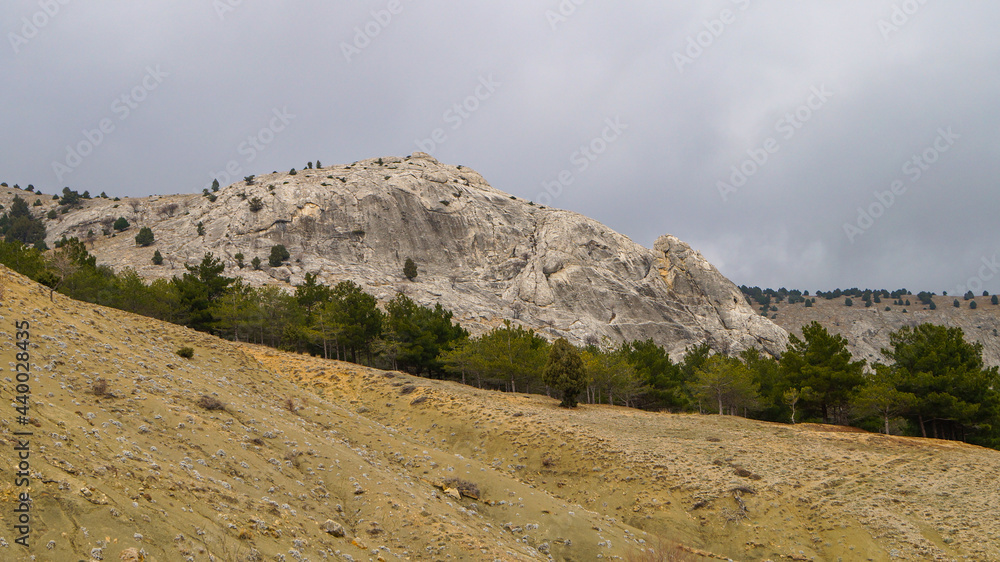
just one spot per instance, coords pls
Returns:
(465, 487)
(69, 197)
(100, 388)
(186, 352)
(279, 254)
(210, 403)
(145, 237)
(410, 269)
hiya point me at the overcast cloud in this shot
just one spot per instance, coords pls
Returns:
(819, 106)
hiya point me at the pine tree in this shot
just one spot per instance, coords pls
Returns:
(726, 382)
(18, 224)
(157, 258)
(145, 237)
(564, 372)
(421, 333)
(69, 197)
(278, 255)
(880, 396)
(410, 269)
(120, 224)
(199, 288)
(956, 393)
(821, 361)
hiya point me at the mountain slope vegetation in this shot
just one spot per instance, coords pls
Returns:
(243, 452)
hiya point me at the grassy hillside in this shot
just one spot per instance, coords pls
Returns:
(143, 466)
(417, 469)
(810, 492)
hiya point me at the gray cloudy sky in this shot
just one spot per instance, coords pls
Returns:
(753, 129)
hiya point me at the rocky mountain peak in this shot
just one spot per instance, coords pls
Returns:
(485, 254)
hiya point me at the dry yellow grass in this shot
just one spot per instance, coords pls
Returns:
(306, 450)
(145, 465)
(809, 491)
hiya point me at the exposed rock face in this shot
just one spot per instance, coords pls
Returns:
(480, 252)
(707, 294)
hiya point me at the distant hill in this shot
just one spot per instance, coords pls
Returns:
(867, 329)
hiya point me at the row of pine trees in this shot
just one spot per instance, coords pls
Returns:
(934, 383)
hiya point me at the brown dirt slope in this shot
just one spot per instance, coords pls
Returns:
(386, 457)
(145, 467)
(810, 492)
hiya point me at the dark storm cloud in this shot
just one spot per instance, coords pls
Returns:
(633, 113)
